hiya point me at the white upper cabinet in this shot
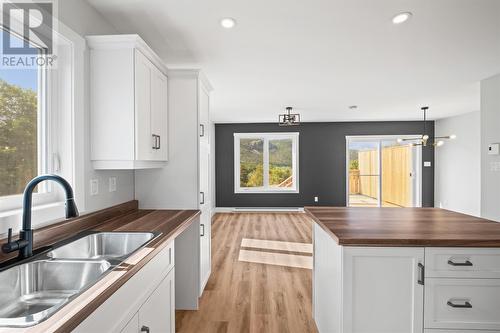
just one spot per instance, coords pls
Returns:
(129, 104)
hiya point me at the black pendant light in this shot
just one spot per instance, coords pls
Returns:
(425, 139)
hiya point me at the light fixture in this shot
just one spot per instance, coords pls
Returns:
(228, 22)
(289, 118)
(425, 139)
(401, 17)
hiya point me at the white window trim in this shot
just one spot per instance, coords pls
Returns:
(48, 205)
(266, 137)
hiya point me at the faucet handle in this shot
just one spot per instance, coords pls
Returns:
(9, 235)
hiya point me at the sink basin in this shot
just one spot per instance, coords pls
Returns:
(32, 291)
(103, 245)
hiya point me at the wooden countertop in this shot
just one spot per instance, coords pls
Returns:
(436, 227)
(124, 217)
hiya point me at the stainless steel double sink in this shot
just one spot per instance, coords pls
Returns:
(35, 289)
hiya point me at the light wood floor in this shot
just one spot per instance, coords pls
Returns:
(246, 296)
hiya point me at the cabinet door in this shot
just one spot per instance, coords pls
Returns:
(132, 326)
(157, 314)
(382, 292)
(205, 219)
(159, 117)
(203, 114)
(205, 248)
(143, 138)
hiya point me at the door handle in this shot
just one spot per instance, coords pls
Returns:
(202, 226)
(202, 202)
(421, 274)
(465, 263)
(202, 130)
(466, 305)
(145, 329)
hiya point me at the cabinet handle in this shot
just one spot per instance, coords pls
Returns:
(202, 226)
(466, 263)
(145, 329)
(202, 128)
(202, 198)
(159, 142)
(154, 140)
(421, 274)
(466, 305)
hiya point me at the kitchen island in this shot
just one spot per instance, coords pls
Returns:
(405, 270)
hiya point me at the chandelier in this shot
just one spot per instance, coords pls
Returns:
(289, 118)
(425, 139)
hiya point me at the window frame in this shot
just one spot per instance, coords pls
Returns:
(45, 138)
(65, 141)
(266, 137)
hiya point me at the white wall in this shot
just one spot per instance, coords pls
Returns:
(490, 133)
(85, 20)
(458, 165)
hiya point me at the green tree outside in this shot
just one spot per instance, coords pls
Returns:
(18, 138)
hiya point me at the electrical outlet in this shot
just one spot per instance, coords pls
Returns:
(94, 186)
(112, 184)
(316, 199)
(495, 166)
(427, 164)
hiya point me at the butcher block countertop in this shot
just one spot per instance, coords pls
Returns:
(429, 227)
(124, 217)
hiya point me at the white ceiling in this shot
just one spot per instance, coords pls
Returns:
(321, 56)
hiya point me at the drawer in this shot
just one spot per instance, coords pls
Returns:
(462, 304)
(462, 263)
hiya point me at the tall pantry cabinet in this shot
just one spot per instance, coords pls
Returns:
(184, 182)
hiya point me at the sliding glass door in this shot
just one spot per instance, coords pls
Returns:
(381, 172)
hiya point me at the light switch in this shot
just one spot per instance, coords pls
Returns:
(316, 199)
(427, 164)
(94, 186)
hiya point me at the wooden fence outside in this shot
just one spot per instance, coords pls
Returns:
(396, 175)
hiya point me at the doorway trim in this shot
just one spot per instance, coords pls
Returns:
(416, 190)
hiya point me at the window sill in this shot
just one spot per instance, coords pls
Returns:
(42, 215)
(266, 191)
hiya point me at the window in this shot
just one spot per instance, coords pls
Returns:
(23, 127)
(266, 162)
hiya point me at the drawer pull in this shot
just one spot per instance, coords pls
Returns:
(466, 305)
(421, 274)
(466, 263)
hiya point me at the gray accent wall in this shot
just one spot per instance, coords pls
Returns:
(322, 162)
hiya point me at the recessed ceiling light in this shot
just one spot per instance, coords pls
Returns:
(401, 17)
(228, 22)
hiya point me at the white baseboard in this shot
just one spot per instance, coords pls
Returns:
(258, 209)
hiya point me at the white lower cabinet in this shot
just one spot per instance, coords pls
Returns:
(145, 303)
(404, 289)
(382, 292)
(157, 314)
(366, 290)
